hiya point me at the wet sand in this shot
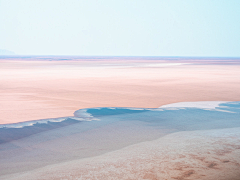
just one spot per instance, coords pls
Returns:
(31, 90)
(207, 155)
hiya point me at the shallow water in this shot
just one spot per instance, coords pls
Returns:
(95, 131)
(227, 115)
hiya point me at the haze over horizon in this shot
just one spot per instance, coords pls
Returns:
(121, 28)
(126, 89)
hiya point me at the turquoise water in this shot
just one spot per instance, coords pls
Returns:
(227, 115)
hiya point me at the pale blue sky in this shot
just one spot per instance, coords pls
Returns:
(121, 27)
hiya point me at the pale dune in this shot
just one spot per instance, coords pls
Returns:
(31, 90)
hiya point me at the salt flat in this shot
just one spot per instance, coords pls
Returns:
(113, 118)
(49, 87)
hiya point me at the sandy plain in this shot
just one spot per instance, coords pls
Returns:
(39, 89)
(50, 88)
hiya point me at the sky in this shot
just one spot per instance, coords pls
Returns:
(121, 27)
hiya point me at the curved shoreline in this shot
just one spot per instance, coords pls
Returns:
(140, 135)
(171, 116)
(82, 115)
(50, 89)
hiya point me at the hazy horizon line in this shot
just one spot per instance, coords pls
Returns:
(125, 56)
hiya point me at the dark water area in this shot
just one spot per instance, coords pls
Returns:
(113, 111)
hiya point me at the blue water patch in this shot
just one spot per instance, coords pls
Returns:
(230, 106)
(97, 112)
(227, 115)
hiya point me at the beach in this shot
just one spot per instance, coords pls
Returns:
(113, 118)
